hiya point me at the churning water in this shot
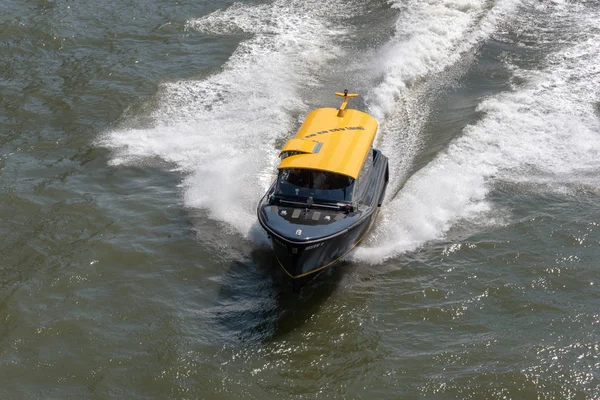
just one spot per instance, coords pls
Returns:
(136, 140)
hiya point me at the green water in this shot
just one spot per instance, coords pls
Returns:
(130, 268)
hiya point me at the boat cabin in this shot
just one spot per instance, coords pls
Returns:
(329, 159)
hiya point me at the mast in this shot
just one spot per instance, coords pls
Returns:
(346, 96)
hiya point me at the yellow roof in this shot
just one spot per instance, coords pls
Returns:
(327, 142)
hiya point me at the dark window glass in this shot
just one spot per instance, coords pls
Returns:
(287, 154)
(321, 185)
(363, 186)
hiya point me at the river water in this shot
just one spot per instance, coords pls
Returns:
(137, 137)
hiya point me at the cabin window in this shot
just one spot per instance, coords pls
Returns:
(286, 154)
(321, 185)
(364, 184)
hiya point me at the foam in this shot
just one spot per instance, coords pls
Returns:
(430, 37)
(222, 131)
(546, 134)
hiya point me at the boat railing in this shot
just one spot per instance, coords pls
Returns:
(336, 207)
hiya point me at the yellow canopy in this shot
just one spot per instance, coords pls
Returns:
(344, 142)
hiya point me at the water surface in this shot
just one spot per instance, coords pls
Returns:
(136, 141)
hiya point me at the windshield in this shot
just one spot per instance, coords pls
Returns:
(320, 185)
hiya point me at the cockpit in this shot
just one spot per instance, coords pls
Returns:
(321, 185)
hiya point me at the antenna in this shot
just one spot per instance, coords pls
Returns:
(345, 95)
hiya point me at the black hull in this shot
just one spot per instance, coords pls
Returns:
(307, 238)
(299, 260)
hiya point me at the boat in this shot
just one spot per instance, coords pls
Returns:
(330, 185)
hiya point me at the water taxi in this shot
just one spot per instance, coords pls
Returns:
(330, 185)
